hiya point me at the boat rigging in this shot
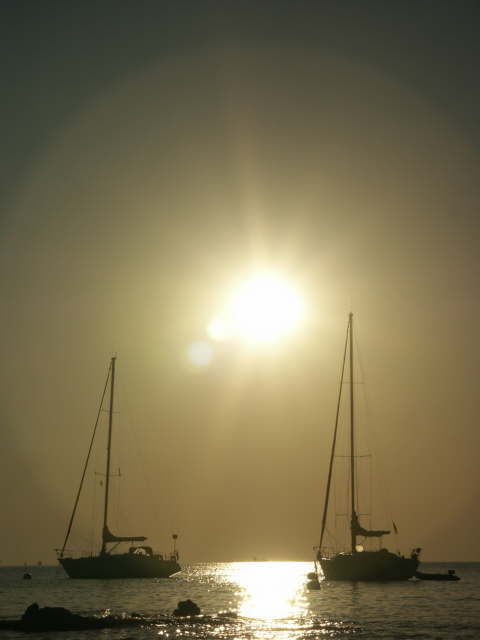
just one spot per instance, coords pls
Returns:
(140, 561)
(357, 564)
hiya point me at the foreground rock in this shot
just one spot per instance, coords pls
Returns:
(60, 619)
(37, 619)
(186, 608)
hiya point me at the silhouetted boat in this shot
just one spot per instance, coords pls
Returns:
(140, 561)
(437, 576)
(357, 563)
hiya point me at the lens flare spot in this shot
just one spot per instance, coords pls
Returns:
(200, 353)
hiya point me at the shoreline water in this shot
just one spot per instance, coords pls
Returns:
(267, 599)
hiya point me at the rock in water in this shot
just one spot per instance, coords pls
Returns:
(186, 608)
(38, 618)
(51, 619)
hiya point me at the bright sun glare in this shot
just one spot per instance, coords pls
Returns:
(262, 310)
(268, 590)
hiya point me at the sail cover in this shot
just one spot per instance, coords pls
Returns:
(358, 530)
(109, 537)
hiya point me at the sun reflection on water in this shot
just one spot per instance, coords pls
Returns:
(268, 590)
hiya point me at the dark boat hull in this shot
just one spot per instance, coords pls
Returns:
(436, 576)
(379, 566)
(126, 565)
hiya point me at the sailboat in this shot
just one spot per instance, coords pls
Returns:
(140, 561)
(356, 563)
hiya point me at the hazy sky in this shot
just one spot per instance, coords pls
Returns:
(154, 152)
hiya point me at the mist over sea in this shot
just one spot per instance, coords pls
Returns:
(265, 600)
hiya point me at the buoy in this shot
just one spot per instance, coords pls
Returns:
(313, 585)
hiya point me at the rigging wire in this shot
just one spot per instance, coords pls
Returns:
(380, 499)
(332, 456)
(69, 528)
(93, 518)
(117, 506)
(137, 456)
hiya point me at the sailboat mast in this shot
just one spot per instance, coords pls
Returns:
(109, 448)
(334, 443)
(352, 438)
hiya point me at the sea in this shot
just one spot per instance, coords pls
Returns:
(254, 600)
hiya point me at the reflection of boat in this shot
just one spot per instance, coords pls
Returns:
(140, 561)
(437, 576)
(357, 563)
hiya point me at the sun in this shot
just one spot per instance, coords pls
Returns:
(263, 309)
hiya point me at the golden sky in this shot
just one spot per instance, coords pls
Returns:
(154, 158)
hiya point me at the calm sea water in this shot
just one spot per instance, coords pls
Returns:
(269, 600)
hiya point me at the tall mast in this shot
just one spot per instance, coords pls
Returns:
(352, 441)
(109, 447)
(334, 442)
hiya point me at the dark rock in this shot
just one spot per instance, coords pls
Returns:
(53, 619)
(186, 608)
(60, 619)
